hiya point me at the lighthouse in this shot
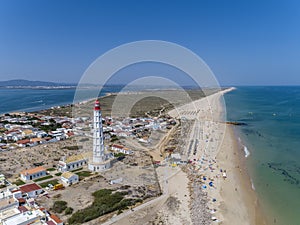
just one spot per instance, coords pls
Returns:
(100, 160)
(98, 140)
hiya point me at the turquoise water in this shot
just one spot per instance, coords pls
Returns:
(272, 135)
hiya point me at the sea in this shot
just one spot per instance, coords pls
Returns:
(270, 136)
(32, 99)
(271, 139)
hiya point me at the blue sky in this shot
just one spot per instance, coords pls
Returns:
(243, 42)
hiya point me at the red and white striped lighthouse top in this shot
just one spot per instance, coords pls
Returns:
(97, 105)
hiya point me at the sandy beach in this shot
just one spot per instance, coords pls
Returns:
(229, 200)
(215, 188)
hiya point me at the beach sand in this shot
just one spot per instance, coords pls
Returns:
(187, 196)
(239, 203)
(230, 200)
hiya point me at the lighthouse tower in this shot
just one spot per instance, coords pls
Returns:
(98, 140)
(99, 161)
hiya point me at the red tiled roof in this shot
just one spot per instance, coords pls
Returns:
(55, 218)
(21, 200)
(22, 208)
(26, 141)
(33, 170)
(117, 146)
(30, 187)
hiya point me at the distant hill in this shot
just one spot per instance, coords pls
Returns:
(28, 83)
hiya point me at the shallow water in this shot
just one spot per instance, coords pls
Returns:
(272, 136)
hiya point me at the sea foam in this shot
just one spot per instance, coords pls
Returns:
(247, 153)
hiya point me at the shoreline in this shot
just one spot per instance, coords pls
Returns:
(230, 199)
(239, 194)
(240, 188)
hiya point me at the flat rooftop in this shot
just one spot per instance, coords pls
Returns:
(21, 218)
(8, 213)
(7, 201)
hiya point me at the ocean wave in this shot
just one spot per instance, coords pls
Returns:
(38, 101)
(247, 153)
(252, 185)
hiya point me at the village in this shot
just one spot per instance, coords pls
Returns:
(37, 191)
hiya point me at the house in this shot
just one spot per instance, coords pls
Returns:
(15, 217)
(69, 178)
(117, 148)
(23, 143)
(7, 200)
(175, 158)
(17, 137)
(36, 140)
(2, 179)
(27, 133)
(41, 134)
(121, 149)
(72, 163)
(53, 218)
(33, 173)
(32, 190)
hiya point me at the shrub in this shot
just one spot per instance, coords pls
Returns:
(69, 211)
(105, 201)
(73, 147)
(59, 206)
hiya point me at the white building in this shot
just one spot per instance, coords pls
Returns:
(7, 200)
(121, 149)
(2, 180)
(32, 190)
(176, 158)
(72, 163)
(69, 178)
(33, 173)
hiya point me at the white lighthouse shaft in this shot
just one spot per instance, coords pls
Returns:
(98, 140)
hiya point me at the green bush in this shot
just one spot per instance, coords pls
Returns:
(59, 206)
(83, 139)
(119, 154)
(73, 147)
(105, 201)
(69, 211)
